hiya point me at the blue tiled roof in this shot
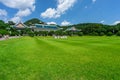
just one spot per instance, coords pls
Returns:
(39, 26)
(46, 26)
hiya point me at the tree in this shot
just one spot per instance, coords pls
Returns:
(80, 34)
(36, 33)
(14, 33)
(51, 33)
(11, 23)
(118, 33)
(2, 25)
(4, 32)
(31, 34)
(94, 34)
(101, 34)
(69, 33)
(59, 32)
(109, 34)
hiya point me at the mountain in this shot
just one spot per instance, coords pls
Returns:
(33, 21)
(90, 25)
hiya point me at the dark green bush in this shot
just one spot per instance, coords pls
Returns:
(118, 33)
(109, 34)
(101, 34)
(4, 32)
(80, 34)
(31, 34)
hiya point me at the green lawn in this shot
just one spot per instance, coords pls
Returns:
(46, 58)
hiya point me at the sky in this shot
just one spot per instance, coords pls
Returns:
(62, 12)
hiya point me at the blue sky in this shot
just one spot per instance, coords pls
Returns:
(62, 12)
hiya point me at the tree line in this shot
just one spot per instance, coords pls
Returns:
(86, 29)
(96, 29)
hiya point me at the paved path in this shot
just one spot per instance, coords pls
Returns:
(1, 39)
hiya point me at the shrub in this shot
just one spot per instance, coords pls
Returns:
(14, 33)
(94, 34)
(4, 32)
(36, 33)
(31, 34)
(51, 33)
(118, 33)
(109, 34)
(101, 34)
(80, 34)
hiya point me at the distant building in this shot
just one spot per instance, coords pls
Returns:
(72, 29)
(36, 27)
(44, 27)
(20, 26)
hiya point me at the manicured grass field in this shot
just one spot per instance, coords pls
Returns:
(46, 58)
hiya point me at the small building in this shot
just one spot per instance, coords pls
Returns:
(36, 27)
(73, 29)
(20, 26)
(44, 27)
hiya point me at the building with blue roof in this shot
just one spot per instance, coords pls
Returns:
(37, 27)
(44, 27)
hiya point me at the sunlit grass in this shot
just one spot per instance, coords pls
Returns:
(46, 58)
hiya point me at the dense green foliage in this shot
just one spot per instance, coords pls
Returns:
(11, 23)
(4, 27)
(96, 29)
(91, 29)
(75, 58)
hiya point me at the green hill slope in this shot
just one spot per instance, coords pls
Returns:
(33, 21)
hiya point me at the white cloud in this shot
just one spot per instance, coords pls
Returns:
(50, 13)
(25, 7)
(116, 22)
(65, 23)
(19, 4)
(51, 23)
(93, 1)
(16, 19)
(3, 12)
(3, 15)
(22, 13)
(102, 21)
(62, 7)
